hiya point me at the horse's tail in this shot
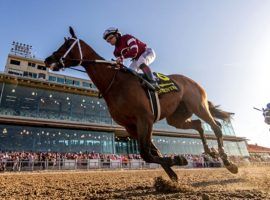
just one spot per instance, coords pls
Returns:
(218, 113)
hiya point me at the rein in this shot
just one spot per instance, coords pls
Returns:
(111, 63)
(109, 87)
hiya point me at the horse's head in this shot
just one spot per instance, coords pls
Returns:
(69, 54)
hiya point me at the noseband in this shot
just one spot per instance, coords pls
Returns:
(76, 41)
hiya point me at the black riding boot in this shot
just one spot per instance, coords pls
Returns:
(149, 76)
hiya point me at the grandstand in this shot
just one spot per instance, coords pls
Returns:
(50, 112)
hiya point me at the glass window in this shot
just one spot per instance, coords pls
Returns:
(85, 84)
(15, 73)
(42, 76)
(15, 62)
(51, 105)
(52, 78)
(77, 83)
(26, 138)
(41, 67)
(69, 82)
(30, 64)
(60, 80)
(175, 145)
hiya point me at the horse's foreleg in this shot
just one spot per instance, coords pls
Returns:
(149, 152)
(166, 167)
(176, 160)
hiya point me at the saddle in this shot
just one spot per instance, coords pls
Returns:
(165, 84)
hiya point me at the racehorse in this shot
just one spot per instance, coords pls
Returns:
(129, 105)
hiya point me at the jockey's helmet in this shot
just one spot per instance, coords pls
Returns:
(110, 31)
(268, 106)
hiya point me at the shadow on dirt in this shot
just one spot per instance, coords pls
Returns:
(218, 182)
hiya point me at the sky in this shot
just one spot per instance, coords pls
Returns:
(223, 45)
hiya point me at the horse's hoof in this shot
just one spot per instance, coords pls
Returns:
(232, 168)
(174, 179)
(180, 160)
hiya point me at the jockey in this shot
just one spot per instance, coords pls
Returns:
(266, 114)
(127, 46)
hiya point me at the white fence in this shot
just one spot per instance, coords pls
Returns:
(74, 165)
(91, 164)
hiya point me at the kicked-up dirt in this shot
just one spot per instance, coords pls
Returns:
(214, 183)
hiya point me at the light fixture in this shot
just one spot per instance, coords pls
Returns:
(4, 131)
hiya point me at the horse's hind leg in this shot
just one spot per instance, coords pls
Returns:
(180, 119)
(204, 113)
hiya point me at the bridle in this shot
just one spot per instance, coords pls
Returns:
(76, 41)
(111, 63)
(80, 60)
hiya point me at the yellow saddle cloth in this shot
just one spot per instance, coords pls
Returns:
(165, 83)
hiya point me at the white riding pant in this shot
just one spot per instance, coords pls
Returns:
(147, 57)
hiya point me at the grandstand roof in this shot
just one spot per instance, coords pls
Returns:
(38, 83)
(254, 148)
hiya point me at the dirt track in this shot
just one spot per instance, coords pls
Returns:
(249, 183)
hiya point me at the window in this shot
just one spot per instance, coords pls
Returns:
(84, 84)
(15, 73)
(69, 82)
(41, 67)
(30, 64)
(52, 78)
(25, 73)
(30, 74)
(43, 76)
(77, 83)
(15, 62)
(60, 80)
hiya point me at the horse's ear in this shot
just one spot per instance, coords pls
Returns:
(72, 32)
(65, 39)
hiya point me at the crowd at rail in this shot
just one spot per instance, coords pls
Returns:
(30, 161)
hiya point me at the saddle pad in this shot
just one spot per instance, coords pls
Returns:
(165, 83)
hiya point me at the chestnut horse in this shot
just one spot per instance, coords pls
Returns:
(129, 106)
